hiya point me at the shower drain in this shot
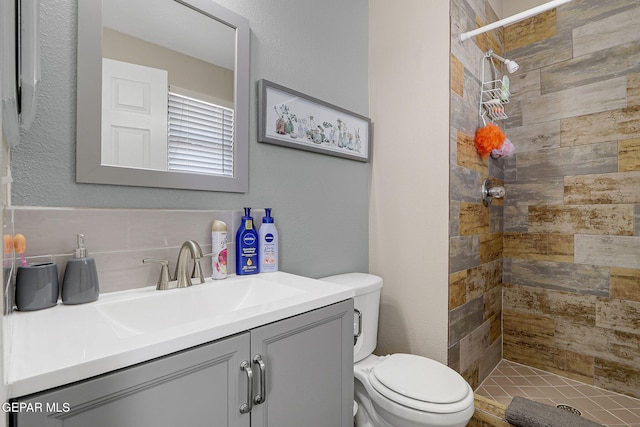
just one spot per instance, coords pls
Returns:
(569, 408)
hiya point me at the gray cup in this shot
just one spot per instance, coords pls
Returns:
(37, 286)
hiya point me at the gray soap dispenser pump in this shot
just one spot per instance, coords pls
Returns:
(80, 283)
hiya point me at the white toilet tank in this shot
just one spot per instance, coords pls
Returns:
(367, 306)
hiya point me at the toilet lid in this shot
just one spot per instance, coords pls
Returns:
(419, 378)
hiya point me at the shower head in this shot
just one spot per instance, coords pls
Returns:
(512, 66)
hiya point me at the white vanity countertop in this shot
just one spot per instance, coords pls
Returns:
(57, 346)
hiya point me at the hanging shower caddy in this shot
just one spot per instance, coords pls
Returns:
(494, 94)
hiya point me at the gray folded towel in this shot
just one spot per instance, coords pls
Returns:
(523, 412)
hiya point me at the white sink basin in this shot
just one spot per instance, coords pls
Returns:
(178, 307)
(64, 344)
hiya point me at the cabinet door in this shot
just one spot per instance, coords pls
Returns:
(203, 386)
(309, 369)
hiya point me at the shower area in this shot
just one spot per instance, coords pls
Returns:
(547, 280)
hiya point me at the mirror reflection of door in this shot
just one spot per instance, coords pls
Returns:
(195, 52)
(134, 119)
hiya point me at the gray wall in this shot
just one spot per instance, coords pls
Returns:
(320, 202)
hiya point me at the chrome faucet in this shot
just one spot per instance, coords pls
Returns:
(182, 264)
(182, 275)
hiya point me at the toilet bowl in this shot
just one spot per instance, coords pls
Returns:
(403, 390)
(399, 390)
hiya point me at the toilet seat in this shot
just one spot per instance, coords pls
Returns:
(420, 383)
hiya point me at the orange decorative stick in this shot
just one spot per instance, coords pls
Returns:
(20, 245)
(8, 248)
(8, 243)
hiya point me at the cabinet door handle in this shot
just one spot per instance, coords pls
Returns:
(246, 407)
(262, 391)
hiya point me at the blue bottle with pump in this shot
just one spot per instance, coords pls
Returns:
(247, 246)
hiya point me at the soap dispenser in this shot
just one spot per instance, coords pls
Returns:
(80, 283)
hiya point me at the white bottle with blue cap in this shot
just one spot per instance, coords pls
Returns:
(268, 250)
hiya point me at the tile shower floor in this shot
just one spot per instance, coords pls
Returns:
(511, 379)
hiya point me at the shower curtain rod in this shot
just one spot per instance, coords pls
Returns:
(512, 19)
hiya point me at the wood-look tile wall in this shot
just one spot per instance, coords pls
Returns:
(476, 240)
(571, 246)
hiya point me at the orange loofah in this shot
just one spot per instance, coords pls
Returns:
(489, 138)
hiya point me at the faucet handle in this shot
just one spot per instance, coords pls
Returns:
(197, 268)
(164, 279)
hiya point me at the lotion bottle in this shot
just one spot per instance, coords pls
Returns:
(219, 250)
(268, 250)
(247, 246)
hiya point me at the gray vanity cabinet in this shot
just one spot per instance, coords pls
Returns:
(304, 366)
(309, 367)
(196, 387)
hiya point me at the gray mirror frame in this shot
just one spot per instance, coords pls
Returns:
(89, 111)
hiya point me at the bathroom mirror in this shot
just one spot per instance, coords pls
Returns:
(162, 89)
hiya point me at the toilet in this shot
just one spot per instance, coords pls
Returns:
(399, 390)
